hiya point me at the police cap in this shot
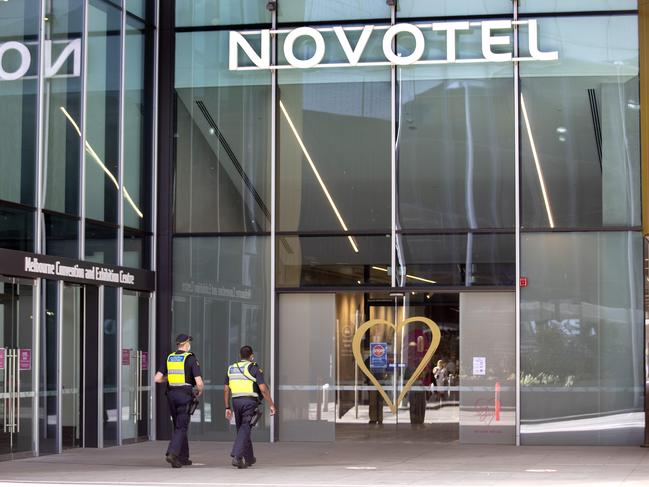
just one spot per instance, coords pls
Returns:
(182, 338)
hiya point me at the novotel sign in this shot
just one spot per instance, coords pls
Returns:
(495, 34)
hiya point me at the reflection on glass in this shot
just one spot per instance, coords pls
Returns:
(136, 250)
(48, 384)
(102, 122)
(18, 22)
(62, 150)
(223, 159)
(221, 298)
(582, 339)
(61, 236)
(221, 12)
(330, 261)
(316, 10)
(334, 160)
(580, 128)
(456, 152)
(136, 148)
(442, 8)
(16, 228)
(101, 243)
(111, 360)
(536, 6)
(472, 259)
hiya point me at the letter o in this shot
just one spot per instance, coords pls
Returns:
(419, 44)
(319, 47)
(25, 60)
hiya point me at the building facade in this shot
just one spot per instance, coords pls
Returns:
(426, 218)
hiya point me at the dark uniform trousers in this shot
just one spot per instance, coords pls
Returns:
(244, 409)
(180, 399)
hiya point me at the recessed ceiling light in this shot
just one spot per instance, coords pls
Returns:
(562, 130)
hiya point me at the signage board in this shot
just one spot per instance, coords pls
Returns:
(24, 264)
(378, 355)
(496, 42)
(3, 357)
(51, 67)
(126, 356)
(25, 358)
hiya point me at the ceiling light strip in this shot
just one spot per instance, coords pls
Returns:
(537, 163)
(101, 164)
(317, 175)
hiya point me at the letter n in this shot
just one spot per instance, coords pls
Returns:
(262, 60)
(73, 48)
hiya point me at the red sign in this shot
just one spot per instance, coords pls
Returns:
(25, 358)
(523, 281)
(3, 354)
(126, 356)
(145, 360)
(379, 350)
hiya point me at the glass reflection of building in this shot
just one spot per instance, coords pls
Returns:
(284, 208)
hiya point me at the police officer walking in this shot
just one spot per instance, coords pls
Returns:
(182, 372)
(244, 381)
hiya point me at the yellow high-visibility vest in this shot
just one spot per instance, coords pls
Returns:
(240, 380)
(176, 369)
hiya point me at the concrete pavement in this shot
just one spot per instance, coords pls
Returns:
(342, 464)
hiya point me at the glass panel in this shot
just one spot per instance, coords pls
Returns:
(221, 12)
(456, 151)
(308, 411)
(16, 228)
(101, 243)
(223, 144)
(140, 7)
(221, 298)
(48, 394)
(62, 149)
(72, 367)
(135, 366)
(19, 23)
(443, 8)
(582, 379)
(488, 371)
(102, 122)
(136, 135)
(534, 6)
(316, 10)
(136, 250)
(61, 236)
(111, 357)
(580, 125)
(16, 376)
(332, 261)
(457, 260)
(334, 156)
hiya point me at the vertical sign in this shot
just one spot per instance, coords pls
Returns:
(25, 358)
(145, 360)
(126, 356)
(378, 355)
(3, 354)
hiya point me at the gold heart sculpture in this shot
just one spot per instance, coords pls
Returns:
(358, 355)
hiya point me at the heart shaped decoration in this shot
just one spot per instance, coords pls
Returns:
(358, 355)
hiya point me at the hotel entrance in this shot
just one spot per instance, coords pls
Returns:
(403, 366)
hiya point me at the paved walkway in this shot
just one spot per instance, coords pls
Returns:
(341, 465)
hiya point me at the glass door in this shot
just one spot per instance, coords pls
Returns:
(16, 379)
(72, 366)
(135, 388)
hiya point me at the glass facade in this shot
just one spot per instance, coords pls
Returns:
(77, 165)
(423, 180)
(417, 179)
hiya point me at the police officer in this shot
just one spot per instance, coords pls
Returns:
(182, 372)
(244, 381)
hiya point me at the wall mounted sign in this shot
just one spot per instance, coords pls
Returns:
(24, 264)
(3, 358)
(378, 355)
(25, 358)
(51, 68)
(496, 37)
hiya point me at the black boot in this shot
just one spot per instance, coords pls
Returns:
(173, 460)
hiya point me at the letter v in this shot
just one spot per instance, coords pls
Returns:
(354, 55)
